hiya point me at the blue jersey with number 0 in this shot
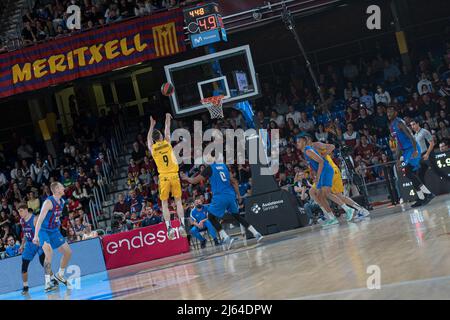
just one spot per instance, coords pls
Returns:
(220, 180)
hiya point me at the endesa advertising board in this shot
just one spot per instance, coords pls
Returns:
(141, 245)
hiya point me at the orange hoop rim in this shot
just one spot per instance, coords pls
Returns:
(214, 100)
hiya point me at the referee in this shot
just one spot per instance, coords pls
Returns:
(426, 143)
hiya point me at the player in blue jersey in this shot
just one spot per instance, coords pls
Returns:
(409, 149)
(47, 234)
(28, 248)
(200, 222)
(225, 190)
(324, 178)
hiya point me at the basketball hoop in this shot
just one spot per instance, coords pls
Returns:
(214, 106)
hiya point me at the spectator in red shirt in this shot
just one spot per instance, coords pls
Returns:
(133, 168)
(351, 137)
(74, 204)
(289, 156)
(366, 151)
(147, 165)
(121, 206)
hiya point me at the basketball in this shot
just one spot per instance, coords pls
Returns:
(167, 89)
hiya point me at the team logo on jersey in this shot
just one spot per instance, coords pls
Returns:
(256, 208)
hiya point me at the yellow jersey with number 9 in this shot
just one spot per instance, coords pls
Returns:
(165, 159)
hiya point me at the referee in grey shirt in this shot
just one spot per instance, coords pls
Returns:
(426, 143)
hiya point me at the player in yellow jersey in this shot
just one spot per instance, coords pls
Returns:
(169, 180)
(337, 187)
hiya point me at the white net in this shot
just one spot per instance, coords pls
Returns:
(214, 106)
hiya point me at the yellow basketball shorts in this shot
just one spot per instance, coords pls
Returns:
(169, 184)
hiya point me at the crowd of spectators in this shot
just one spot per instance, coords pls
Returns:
(48, 18)
(26, 173)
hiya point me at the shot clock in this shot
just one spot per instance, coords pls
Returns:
(442, 163)
(204, 24)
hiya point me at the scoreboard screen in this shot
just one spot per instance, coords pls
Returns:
(204, 20)
(442, 162)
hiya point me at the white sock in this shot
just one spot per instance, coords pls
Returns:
(223, 234)
(253, 230)
(47, 279)
(420, 195)
(181, 221)
(25, 284)
(168, 224)
(61, 272)
(425, 189)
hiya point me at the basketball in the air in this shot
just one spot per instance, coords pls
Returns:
(167, 89)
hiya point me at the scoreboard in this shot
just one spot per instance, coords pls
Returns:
(441, 161)
(204, 24)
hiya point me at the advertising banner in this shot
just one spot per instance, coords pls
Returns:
(141, 245)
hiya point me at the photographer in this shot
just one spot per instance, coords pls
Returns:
(120, 223)
(301, 188)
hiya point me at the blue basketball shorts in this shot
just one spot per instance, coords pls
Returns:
(408, 158)
(53, 237)
(222, 203)
(31, 250)
(326, 178)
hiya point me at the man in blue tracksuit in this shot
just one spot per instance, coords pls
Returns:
(200, 222)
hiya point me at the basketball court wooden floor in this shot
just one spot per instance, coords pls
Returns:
(411, 249)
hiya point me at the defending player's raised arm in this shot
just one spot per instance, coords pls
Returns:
(46, 207)
(195, 180)
(167, 127)
(149, 134)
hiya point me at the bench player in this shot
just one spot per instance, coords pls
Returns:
(169, 180)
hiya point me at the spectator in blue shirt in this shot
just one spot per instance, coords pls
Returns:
(200, 222)
(12, 249)
(135, 201)
(151, 217)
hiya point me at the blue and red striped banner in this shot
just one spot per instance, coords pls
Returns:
(92, 52)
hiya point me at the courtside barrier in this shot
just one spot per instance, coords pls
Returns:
(87, 257)
(141, 245)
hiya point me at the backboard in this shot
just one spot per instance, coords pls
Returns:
(230, 73)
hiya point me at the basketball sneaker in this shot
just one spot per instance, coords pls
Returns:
(349, 214)
(25, 290)
(50, 287)
(216, 242)
(182, 231)
(227, 242)
(60, 278)
(330, 222)
(203, 244)
(258, 237)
